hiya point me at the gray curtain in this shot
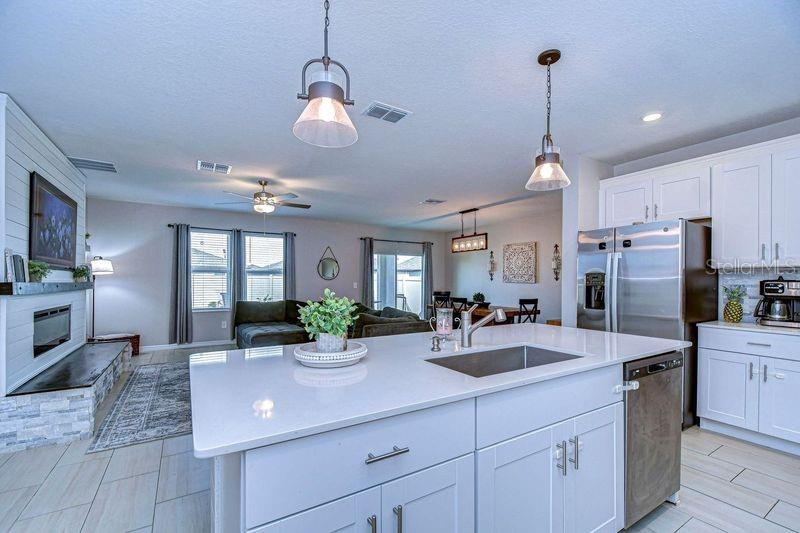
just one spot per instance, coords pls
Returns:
(367, 290)
(427, 277)
(289, 276)
(181, 317)
(238, 289)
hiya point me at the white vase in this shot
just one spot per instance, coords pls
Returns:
(327, 343)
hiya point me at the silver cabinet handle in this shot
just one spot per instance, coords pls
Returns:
(646, 212)
(398, 512)
(763, 252)
(373, 523)
(394, 453)
(777, 252)
(765, 373)
(576, 443)
(762, 344)
(751, 371)
(561, 456)
(655, 212)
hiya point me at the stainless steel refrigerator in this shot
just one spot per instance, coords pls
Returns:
(650, 279)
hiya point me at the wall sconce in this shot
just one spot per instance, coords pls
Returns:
(556, 262)
(492, 266)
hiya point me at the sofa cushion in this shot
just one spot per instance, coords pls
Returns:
(395, 328)
(269, 334)
(391, 312)
(292, 314)
(361, 308)
(256, 312)
(365, 319)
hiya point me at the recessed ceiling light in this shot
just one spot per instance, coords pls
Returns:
(651, 117)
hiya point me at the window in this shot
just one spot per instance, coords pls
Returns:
(263, 271)
(211, 269)
(397, 282)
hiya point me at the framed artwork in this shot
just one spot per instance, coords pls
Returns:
(53, 225)
(519, 262)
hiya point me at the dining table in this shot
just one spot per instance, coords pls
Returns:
(511, 313)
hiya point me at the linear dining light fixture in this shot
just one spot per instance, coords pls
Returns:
(470, 243)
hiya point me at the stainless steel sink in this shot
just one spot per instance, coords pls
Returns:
(489, 362)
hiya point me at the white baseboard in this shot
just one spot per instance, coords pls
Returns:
(751, 436)
(158, 347)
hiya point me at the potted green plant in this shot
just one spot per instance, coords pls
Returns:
(37, 271)
(327, 321)
(480, 299)
(733, 311)
(81, 273)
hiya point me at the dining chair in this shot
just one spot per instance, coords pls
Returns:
(459, 304)
(441, 299)
(528, 309)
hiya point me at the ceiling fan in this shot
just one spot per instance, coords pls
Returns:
(265, 202)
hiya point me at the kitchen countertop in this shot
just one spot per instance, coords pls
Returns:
(244, 399)
(750, 326)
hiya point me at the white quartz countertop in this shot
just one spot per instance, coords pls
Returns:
(752, 327)
(244, 399)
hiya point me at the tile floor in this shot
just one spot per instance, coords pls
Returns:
(727, 485)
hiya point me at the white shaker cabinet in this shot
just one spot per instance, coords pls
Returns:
(728, 387)
(564, 478)
(785, 214)
(684, 192)
(779, 398)
(440, 499)
(740, 209)
(359, 513)
(628, 203)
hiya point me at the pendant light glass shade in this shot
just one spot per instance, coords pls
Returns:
(324, 122)
(548, 174)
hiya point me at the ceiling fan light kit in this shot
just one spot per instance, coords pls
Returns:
(324, 121)
(548, 173)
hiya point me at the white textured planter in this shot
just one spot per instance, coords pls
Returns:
(327, 343)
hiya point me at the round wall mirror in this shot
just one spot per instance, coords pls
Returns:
(328, 266)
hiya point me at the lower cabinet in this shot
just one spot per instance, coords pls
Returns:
(778, 399)
(750, 391)
(727, 389)
(567, 477)
(440, 499)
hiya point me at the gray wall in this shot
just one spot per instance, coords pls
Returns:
(468, 271)
(136, 238)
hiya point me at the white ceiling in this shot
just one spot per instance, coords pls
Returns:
(153, 86)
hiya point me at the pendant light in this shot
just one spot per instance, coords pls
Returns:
(470, 243)
(324, 121)
(548, 174)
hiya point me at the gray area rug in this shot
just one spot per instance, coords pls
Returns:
(154, 403)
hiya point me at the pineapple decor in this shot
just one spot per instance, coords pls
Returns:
(734, 295)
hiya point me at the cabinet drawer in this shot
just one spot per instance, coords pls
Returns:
(509, 413)
(296, 475)
(753, 343)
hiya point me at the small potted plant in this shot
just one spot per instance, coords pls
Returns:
(80, 274)
(327, 321)
(37, 271)
(733, 311)
(480, 299)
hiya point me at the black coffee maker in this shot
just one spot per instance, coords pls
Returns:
(779, 304)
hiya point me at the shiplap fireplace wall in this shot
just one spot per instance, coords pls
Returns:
(25, 148)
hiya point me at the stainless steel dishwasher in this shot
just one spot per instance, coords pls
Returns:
(653, 416)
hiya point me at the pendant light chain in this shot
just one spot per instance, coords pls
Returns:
(325, 57)
(548, 98)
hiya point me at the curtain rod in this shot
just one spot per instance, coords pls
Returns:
(401, 242)
(245, 230)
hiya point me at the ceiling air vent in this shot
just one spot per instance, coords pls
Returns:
(431, 201)
(385, 112)
(92, 164)
(208, 166)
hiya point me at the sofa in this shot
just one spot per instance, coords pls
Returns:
(278, 323)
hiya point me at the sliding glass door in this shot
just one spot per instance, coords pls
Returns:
(397, 280)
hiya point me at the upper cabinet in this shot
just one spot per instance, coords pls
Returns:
(786, 215)
(741, 210)
(678, 192)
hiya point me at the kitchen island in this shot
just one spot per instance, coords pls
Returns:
(398, 442)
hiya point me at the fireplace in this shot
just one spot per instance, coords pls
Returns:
(51, 328)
